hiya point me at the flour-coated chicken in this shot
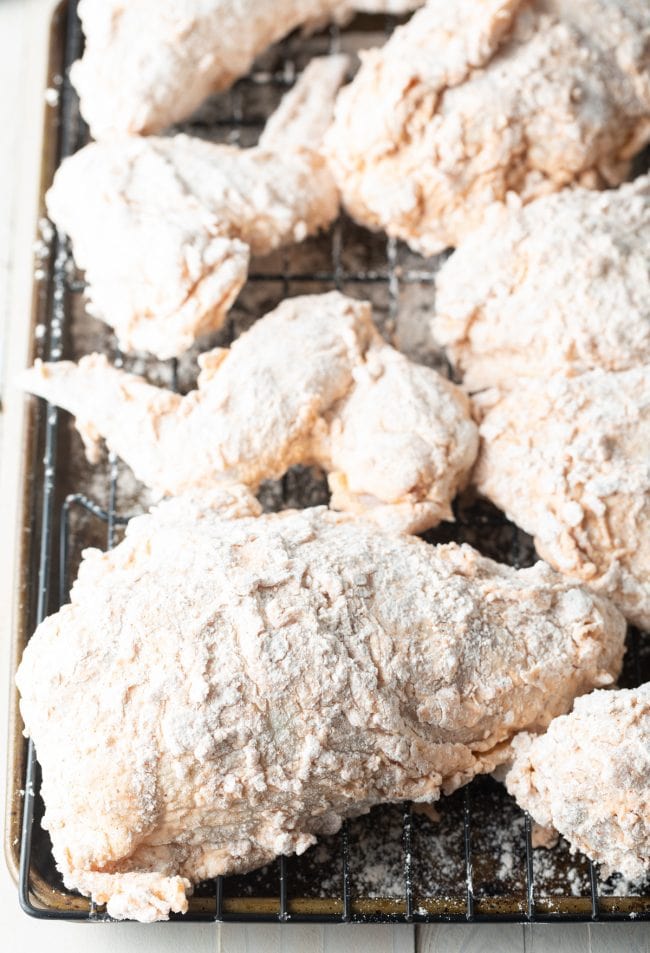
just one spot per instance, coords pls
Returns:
(306, 111)
(164, 227)
(313, 383)
(222, 690)
(474, 99)
(588, 777)
(568, 460)
(560, 285)
(149, 63)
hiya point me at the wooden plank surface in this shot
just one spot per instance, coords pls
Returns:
(551, 937)
(470, 938)
(298, 938)
(535, 938)
(612, 937)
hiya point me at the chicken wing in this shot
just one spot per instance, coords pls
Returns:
(164, 227)
(149, 63)
(588, 776)
(222, 690)
(560, 285)
(567, 460)
(475, 99)
(310, 383)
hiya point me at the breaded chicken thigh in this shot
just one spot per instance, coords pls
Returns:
(149, 63)
(588, 777)
(568, 460)
(221, 691)
(560, 285)
(164, 227)
(310, 383)
(475, 99)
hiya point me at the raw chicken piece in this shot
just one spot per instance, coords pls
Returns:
(312, 382)
(568, 461)
(589, 777)
(221, 691)
(475, 99)
(306, 111)
(562, 284)
(148, 63)
(164, 227)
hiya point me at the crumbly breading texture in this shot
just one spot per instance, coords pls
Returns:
(306, 111)
(164, 228)
(588, 776)
(220, 691)
(475, 99)
(312, 383)
(149, 63)
(560, 285)
(567, 460)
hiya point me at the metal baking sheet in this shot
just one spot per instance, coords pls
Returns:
(474, 861)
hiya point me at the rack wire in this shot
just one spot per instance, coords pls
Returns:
(476, 863)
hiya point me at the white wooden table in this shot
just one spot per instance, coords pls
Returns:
(23, 33)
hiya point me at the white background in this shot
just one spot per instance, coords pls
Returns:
(23, 44)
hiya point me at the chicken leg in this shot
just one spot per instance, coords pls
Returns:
(221, 691)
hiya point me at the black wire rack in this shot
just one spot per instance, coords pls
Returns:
(474, 863)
